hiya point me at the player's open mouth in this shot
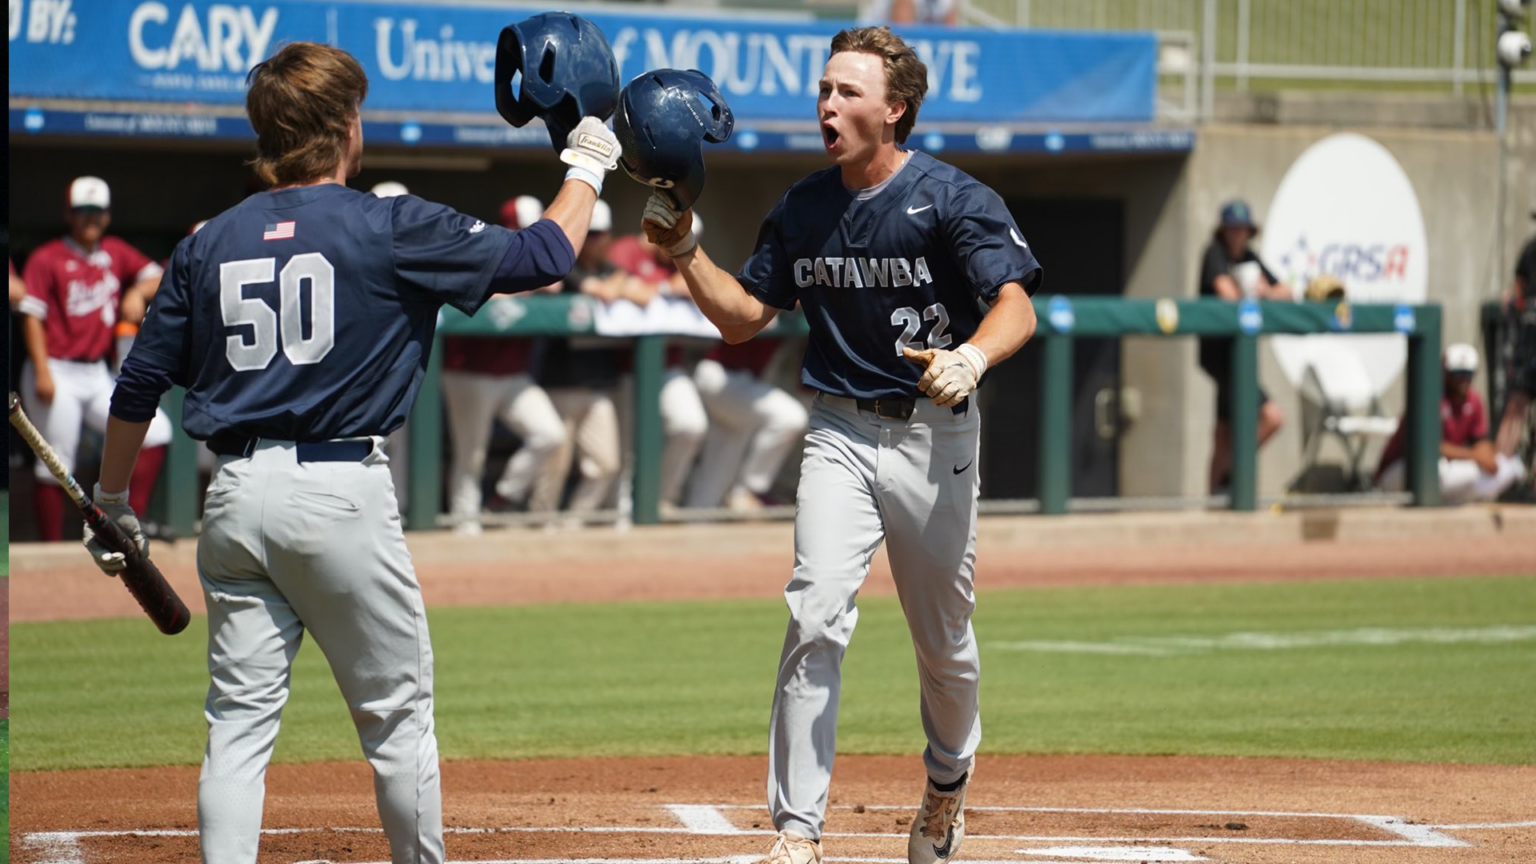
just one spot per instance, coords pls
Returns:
(829, 135)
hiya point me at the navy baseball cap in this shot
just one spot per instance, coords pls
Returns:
(1237, 213)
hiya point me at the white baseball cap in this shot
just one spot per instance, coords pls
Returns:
(90, 192)
(390, 189)
(1460, 357)
(524, 210)
(602, 218)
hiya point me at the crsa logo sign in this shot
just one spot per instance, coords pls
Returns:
(1352, 262)
(1346, 208)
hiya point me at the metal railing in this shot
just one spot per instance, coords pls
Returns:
(1447, 43)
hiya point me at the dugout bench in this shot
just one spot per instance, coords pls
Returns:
(1061, 319)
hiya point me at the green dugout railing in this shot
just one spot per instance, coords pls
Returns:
(1062, 319)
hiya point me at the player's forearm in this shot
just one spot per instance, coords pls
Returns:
(121, 450)
(1226, 288)
(146, 288)
(572, 211)
(738, 315)
(1456, 451)
(1007, 325)
(36, 337)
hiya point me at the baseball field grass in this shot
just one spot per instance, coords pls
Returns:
(1414, 670)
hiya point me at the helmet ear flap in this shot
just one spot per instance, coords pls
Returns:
(723, 121)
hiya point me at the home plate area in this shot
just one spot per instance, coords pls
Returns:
(873, 833)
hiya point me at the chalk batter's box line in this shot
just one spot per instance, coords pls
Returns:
(63, 847)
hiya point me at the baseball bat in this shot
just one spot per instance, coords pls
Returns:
(142, 578)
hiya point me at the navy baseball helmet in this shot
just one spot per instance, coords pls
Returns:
(558, 67)
(664, 117)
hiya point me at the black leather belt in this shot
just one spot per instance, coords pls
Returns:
(900, 407)
(230, 444)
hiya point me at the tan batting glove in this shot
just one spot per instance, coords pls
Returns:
(592, 151)
(116, 509)
(667, 228)
(949, 376)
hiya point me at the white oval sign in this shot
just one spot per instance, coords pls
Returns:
(1345, 207)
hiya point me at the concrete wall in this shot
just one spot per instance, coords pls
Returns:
(1454, 175)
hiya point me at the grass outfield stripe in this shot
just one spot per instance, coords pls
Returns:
(696, 678)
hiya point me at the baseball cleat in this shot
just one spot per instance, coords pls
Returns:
(939, 826)
(791, 848)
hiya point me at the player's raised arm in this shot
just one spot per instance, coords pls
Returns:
(591, 151)
(727, 304)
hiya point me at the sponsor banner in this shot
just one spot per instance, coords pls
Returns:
(1346, 208)
(441, 57)
(496, 133)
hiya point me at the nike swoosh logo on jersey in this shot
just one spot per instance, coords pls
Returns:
(1017, 239)
(959, 471)
(913, 211)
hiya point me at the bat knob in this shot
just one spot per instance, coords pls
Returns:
(15, 402)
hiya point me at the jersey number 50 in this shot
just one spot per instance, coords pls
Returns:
(239, 310)
(910, 322)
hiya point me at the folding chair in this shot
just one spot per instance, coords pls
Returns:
(1344, 406)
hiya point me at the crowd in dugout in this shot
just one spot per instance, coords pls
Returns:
(568, 400)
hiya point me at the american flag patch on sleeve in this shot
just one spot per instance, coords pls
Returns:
(280, 231)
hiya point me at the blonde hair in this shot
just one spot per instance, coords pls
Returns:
(906, 78)
(301, 102)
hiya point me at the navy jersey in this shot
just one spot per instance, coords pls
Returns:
(908, 267)
(308, 313)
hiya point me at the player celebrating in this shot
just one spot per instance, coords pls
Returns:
(300, 322)
(887, 250)
(74, 290)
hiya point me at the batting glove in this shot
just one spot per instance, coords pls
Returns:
(667, 227)
(949, 376)
(116, 509)
(592, 151)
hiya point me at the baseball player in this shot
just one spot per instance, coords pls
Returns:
(1470, 468)
(489, 377)
(75, 286)
(894, 256)
(300, 322)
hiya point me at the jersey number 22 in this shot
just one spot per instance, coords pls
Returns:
(239, 310)
(910, 322)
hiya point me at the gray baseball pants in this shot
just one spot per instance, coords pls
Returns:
(914, 484)
(289, 547)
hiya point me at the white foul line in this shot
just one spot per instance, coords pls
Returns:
(64, 847)
(702, 819)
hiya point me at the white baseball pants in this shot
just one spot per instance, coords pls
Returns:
(592, 432)
(752, 427)
(473, 401)
(1461, 480)
(82, 393)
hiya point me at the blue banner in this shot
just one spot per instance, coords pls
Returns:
(440, 58)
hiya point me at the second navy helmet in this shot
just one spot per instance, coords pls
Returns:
(664, 116)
